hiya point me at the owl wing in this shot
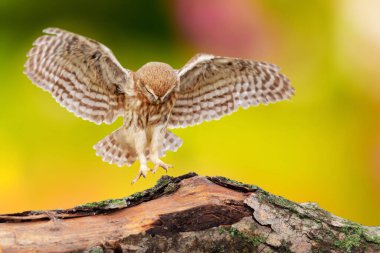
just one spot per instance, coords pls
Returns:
(213, 86)
(81, 74)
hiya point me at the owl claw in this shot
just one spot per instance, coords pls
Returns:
(142, 172)
(161, 164)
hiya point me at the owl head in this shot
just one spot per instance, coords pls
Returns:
(156, 81)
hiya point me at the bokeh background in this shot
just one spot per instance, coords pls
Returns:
(322, 146)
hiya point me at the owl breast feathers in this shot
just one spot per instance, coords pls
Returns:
(86, 78)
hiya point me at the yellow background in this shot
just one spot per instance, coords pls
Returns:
(322, 146)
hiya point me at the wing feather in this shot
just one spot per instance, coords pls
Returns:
(212, 86)
(80, 73)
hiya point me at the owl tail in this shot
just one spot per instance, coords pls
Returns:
(114, 148)
(171, 142)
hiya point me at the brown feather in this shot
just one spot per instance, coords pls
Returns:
(157, 76)
(213, 86)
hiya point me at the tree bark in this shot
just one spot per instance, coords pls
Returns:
(189, 213)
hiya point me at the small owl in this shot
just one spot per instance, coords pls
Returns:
(85, 77)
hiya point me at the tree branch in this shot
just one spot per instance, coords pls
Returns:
(188, 214)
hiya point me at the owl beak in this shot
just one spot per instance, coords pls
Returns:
(157, 101)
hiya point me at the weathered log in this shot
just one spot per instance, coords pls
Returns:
(189, 213)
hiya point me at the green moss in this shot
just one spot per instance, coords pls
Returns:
(137, 195)
(163, 181)
(350, 242)
(102, 204)
(253, 240)
(171, 187)
(315, 213)
(277, 200)
(373, 239)
(233, 182)
(353, 234)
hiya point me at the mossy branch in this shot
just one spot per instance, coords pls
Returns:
(188, 214)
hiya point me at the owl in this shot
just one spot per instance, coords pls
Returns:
(85, 77)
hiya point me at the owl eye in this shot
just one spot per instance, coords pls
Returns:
(164, 97)
(146, 89)
(150, 92)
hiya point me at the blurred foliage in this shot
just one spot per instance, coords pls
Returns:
(320, 147)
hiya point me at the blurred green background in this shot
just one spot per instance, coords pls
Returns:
(322, 146)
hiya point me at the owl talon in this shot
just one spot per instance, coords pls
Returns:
(161, 164)
(155, 169)
(142, 172)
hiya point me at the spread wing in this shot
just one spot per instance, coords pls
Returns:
(212, 86)
(81, 74)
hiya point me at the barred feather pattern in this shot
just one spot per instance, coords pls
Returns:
(85, 77)
(171, 142)
(212, 86)
(80, 73)
(114, 148)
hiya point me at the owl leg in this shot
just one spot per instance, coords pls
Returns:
(140, 146)
(155, 149)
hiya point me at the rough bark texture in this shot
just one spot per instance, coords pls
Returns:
(188, 214)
